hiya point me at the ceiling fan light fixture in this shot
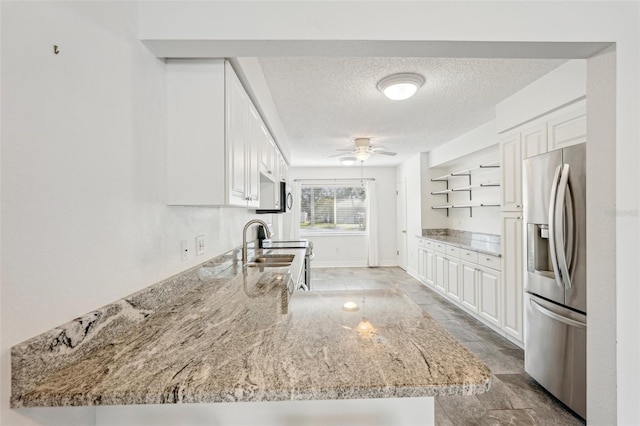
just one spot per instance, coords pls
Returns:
(348, 161)
(400, 86)
(362, 156)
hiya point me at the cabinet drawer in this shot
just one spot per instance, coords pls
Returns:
(489, 261)
(452, 251)
(469, 255)
(422, 242)
(429, 244)
(440, 247)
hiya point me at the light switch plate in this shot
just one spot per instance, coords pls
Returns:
(200, 245)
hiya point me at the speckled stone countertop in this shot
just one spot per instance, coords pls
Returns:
(224, 333)
(480, 242)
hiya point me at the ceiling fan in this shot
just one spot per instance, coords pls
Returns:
(363, 150)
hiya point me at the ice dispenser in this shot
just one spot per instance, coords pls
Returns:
(538, 253)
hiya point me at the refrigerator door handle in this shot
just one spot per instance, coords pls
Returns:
(561, 225)
(557, 317)
(553, 249)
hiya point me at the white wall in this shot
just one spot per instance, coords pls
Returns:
(350, 250)
(601, 225)
(83, 216)
(409, 172)
(473, 141)
(561, 86)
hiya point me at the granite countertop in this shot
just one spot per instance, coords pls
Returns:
(480, 242)
(222, 333)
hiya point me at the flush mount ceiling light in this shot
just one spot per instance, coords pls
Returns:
(401, 86)
(348, 161)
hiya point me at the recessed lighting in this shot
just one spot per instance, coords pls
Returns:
(348, 161)
(401, 86)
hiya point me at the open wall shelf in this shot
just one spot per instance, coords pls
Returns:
(466, 188)
(466, 172)
(464, 206)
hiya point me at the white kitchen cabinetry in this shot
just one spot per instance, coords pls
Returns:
(421, 264)
(567, 129)
(453, 278)
(267, 152)
(212, 144)
(237, 138)
(429, 264)
(469, 286)
(440, 265)
(534, 140)
(489, 304)
(252, 155)
(512, 271)
(469, 279)
(511, 162)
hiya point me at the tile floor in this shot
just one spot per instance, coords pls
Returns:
(514, 398)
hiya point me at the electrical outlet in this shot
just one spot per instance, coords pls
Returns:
(184, 250)
(200, 245)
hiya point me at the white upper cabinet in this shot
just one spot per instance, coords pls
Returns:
(214, 136)
(267, 153)
(237, 139)
(534, 140)
(567, 129)
(511, 166)
(252, 155)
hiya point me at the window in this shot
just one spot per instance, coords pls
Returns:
(333, 209)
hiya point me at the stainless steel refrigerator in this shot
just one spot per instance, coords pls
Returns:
(555, 280)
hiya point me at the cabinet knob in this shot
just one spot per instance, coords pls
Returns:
(518, 205)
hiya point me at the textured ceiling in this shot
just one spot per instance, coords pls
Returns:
(325, 102)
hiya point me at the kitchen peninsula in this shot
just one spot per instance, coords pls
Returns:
(224, 333)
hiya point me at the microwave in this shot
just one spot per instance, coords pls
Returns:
(284, 199)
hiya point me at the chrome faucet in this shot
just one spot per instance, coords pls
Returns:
(244, 236)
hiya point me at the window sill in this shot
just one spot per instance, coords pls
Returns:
(332, 234)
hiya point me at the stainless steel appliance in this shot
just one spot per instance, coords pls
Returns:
(283, 202)
(555, 279)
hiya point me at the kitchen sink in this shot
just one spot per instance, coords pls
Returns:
(272, 260)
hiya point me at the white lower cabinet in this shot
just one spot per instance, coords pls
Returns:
(453, 278)
(421, 264)
(430, 258)
(489, 292)
(471, 280)
(469, 285)
(441, 272)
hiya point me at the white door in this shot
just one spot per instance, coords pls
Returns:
(401, 213)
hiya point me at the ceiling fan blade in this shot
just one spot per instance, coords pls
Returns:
(341, 154)
(385, 153)
(344, 149)
(377, 148)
